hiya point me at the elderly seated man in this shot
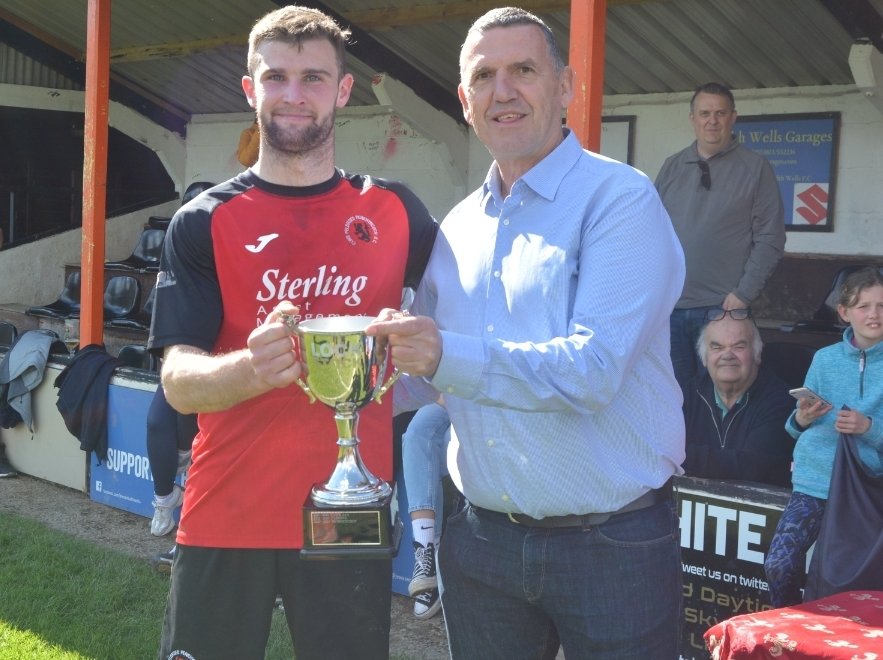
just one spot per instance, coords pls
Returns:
(735, 411)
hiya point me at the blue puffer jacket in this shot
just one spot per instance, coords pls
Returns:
(846, 376)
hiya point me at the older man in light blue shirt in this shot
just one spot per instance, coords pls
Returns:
(543, 319)
(552, 307)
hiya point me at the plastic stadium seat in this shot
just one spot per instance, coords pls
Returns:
(194, 189)
(68, 303)
(8, 333)
(122, 296)
(139, 321)
(137, 356)
(162, 222)
(158, 222)
(145, 256)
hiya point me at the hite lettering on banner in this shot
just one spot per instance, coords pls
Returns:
(748, 527)
(125, 462)
(326, 282)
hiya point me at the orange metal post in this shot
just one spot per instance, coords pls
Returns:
(588, 19)
(95, 172)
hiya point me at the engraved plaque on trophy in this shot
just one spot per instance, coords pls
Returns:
(353, 513)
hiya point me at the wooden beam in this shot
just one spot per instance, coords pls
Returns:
(95, 172)
(859, 18)
(180, 49)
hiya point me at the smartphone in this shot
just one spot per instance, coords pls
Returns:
(806, 393)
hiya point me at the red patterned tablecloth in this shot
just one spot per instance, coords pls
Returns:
(847, 626)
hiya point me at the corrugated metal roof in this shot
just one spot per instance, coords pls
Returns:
(652, 46)
(18, 69)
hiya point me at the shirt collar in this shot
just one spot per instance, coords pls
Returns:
(720, 402)
(694, 152)
(545, 177)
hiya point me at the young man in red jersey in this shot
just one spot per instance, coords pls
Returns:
(292, 235)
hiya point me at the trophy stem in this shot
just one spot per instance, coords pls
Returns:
(351, 483)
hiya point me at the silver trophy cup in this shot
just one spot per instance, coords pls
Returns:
(346, 369)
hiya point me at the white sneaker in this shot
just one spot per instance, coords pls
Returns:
(427, 604)
(163, 512)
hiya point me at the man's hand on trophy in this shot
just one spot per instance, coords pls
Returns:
(415, 340)
(273, 355)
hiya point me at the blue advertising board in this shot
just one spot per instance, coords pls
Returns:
(125, 481)
(802, 149)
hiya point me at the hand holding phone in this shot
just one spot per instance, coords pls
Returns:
(806, 393)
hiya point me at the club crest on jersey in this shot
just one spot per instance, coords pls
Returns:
(360, 230)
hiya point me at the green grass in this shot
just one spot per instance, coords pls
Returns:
(62, 598)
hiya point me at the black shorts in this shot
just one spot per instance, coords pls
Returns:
(221, 603)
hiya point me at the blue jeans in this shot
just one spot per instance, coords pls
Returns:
(424, 449)
(609, 592)
(685, 325)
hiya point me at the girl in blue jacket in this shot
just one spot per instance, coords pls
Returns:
(849, 375)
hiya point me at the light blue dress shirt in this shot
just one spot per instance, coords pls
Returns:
(553, 306)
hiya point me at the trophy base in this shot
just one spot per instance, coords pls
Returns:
(366, 531)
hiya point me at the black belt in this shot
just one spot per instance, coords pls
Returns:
(649, 498)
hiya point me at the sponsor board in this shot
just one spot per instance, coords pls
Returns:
(125, 481)
(726, 529)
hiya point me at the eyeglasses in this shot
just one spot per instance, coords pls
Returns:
(735, 314)
(706, 174)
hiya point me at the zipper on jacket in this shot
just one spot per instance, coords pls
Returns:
(861, 374)
(712, 409)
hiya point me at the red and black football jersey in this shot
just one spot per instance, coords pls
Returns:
(345, 247)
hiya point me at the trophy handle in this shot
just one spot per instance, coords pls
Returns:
(307, 390)
(385, 387)
(291, 323)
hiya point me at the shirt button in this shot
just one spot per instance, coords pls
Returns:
(490, 443)
(506, 223)
(505, 498)
(490, 328)
(497, 274)
(450, 389)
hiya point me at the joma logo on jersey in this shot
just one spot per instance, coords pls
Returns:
(326, 282)
(360, 230)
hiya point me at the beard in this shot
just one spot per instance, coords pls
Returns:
(297, 142)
